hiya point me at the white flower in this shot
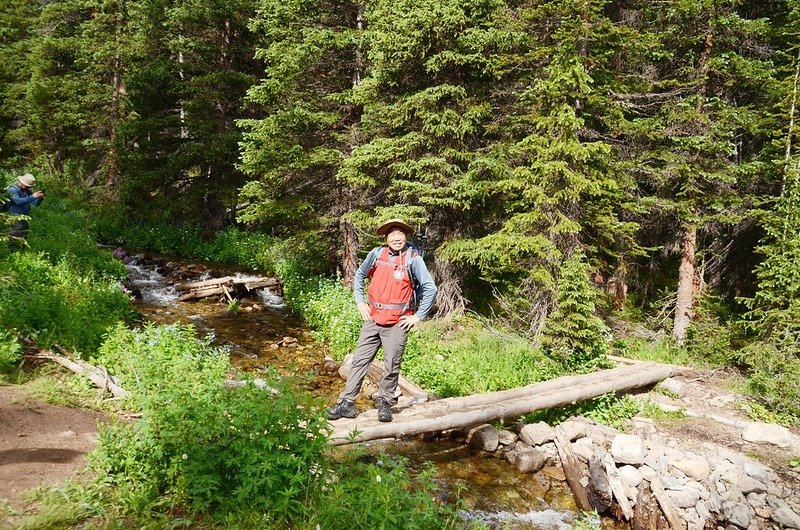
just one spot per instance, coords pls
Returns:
(185, 456)
(377, 478)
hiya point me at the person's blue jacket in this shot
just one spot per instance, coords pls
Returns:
(21, 201)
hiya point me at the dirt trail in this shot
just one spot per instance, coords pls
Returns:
(40, 444)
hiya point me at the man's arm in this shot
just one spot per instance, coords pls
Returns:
(19, 200)
(358, 282)
(429, 289)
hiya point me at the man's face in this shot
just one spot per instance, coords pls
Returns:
(396, 239)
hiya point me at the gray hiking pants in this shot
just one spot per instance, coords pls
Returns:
(393, 339)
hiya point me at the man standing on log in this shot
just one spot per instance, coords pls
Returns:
(399, 281)
(21, 196)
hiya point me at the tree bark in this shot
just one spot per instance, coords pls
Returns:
(572, 470)
(349, 251)
(450, 297)
(685, 300)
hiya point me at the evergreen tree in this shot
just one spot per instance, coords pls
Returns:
(308, 125)
(433, 69)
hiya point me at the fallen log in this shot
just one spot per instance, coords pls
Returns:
(455, 413)
(671, 511)
(617, 488)
(599, 490)
(256, 282)
(100, 377)
(375, 374)
(572, 470)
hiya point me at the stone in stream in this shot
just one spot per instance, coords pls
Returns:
(484, 437)
(530, 461)
(630, 475)
(507, 437)
(573, 429)
(537, 433)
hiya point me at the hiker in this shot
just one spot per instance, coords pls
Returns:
(399, 279)
(21, 196)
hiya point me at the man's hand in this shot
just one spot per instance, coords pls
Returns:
(38, 194)
(408, 321)
(363, 308)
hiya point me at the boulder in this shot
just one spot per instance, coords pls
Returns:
(627, 449)
(484, 437)
(530, 461)
(696, 468)
(537, 433)
(784, 515)
(737, 513)
(767, 433)
(507, 437)
(630, 475)
(684, 497)
(573, 429)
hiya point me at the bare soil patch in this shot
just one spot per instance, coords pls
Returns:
(40, 444)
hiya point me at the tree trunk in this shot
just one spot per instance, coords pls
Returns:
(683, 305)
(450, 298)
(349, 251)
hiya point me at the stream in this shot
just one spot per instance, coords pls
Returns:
(261, 333)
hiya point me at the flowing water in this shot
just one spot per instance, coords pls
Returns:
(261, 333)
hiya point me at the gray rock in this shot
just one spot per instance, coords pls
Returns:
(702, 510)
(507, 437)
(767, 433)
(696, 468)
(750, 485)
(714, 503)
(573, 429)
(671, 482)
(765, 512)
(630, 475)
(756, 470)
(530, 461)
(627, 449)
(737, 513)
(484, 437)
(537, 433)
(756, 500)
(784, 515)
(684, 497)
(648, 473)
(583, 451)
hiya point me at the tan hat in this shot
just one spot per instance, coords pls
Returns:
(386, 227)
(27, 179)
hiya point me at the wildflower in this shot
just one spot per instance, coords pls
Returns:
(185, 456)
(377, 478)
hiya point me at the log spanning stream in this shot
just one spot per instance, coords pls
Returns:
(263, 333)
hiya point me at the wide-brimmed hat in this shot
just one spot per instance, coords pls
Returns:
(386, 227)
(27, 179)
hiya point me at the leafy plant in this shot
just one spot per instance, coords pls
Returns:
(222, 451)
(607, 409)
(10, 350)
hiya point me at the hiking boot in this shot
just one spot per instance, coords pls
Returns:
(384, 411)
(342, 409)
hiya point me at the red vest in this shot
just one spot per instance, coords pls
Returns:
(390, 288)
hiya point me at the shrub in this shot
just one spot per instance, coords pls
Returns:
(10, 350)
(225, 451)
(55, 303)
(382, 496)
(462, 356)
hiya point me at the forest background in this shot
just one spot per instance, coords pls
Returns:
(561, 161)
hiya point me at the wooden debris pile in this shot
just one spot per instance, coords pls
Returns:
(229, 286)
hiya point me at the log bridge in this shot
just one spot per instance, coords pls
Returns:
(228, 286)
(460, 412)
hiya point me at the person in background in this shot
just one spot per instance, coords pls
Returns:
(21, 196)
(399, 279)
